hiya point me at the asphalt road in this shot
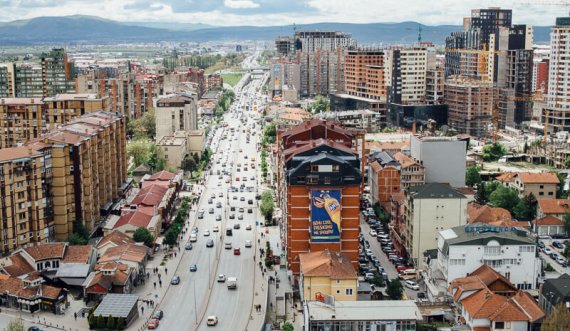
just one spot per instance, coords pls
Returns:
(187, 305)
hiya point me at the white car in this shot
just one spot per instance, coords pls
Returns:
(412, 285)
(547, 250)
(221, 278)
(372, 233)
(216, 228)
(206, 233)
(248, 243)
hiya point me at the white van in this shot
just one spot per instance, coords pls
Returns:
(193, 237)
(408, 274)
(212, 320)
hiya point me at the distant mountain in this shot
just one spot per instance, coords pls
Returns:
(173, 26)
(90, 29)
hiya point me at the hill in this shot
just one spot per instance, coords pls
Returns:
(90, 29)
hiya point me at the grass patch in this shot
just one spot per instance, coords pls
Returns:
(232, 79)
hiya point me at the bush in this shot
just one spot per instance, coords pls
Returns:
(111, 322)
(548, 268)
(100, 323)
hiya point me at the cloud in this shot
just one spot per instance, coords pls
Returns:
(240, 4)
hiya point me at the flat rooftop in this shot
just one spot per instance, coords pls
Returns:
(388, 310)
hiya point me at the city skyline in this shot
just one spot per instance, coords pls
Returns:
(277, 12)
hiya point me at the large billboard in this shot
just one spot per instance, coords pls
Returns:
(325, 215)
(276, 77)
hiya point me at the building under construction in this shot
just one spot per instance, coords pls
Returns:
(470, 103)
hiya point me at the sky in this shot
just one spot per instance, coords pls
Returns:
(281, 12)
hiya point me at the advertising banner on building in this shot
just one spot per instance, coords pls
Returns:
(325, 215)
(276, 77)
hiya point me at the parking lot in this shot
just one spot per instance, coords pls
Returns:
(552, 252)
(375, 252)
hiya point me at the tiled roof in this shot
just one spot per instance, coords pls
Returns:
(530, 307)
(162, 175)
(538, 178)
(7, 154)
(304, 146)
(483, 303)
(117, 238)
(46, 251)
(376, 166)
(19, 266)
(17, 288)
(119, 277)
(405, 160)
(129, 252)
(554, 206)
(150, 196)
(327, 264)
(136, 218)
(486, 214)
(388, 145)
(549, 220)
(507, 177)
(78, 254)
(488, 276)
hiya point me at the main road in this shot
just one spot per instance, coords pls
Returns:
(199, 295)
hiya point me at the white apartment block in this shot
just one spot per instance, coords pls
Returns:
(509, 251)
(413, 68)
(558, 105)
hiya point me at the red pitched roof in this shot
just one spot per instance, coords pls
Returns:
(162, 175)
(538, 178)
(19, 266)
(117, 238)
(78, 254)
(549, 220)
(486, 214)
(327, 264)
(150, 196)
(46, 251)
(137, 218)
(129, 252)
(554, 206)
(310, 144)
(507, 177)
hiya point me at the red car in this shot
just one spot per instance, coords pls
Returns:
(237, 251)
(401, 268)
(237, 179)
(153, 324)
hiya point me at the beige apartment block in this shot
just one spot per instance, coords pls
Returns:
(63, 108)
(20, 120)
(176, 112)
(23, 204)
(174, 149)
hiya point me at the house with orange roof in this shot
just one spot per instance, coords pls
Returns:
(327, 273)
(477, 213)
(130, 221)
(108, 277)
(31, 295)
(155, 198)
(462, 249)
(485, 300)
(113, 239)
(541, 185)
(548, 226)
(552, 207)
(133, 255)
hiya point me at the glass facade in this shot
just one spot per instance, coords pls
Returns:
(362, 326)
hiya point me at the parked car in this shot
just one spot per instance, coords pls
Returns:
(372, 233)
(547, 250)
(210, 243)
(412, 285)
(557, 244)
(158, 314)
(153, 324)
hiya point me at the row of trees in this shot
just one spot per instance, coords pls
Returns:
(225, 103)
(499, 195)
(108, 323)
(171, 235)
(267, 206)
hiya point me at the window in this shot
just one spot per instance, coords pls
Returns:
(499, 325)
(313, 180)
(457, 262)
(526, 249)
(327, 180)
(314, 168)
(348, 291)
(492, 250)
(335, 168)
(300, 179)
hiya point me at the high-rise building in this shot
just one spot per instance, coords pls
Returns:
(6, 78)
(63, 108)
(176, 112)
(322, 72)
(28, 80)
(284, 45)
(87, 161)
(364, 74)
(488, 21)
(408, 75)
(57, 73)
(540, 76)
(557, 111)
(25, 198)
(21, 119)
(313, 41)
(319, 186)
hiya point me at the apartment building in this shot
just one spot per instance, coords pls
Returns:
(443, 158)
(174, 149)
(470, 105)
(539, 75)
(88, 168)
(28, 80)
(6, 77)
(383, 177)
(407, 78)
(359, 119)
(321, 72)
(285, 77)
(412, 173)
(26, 198)
(541, 185)
(284, 45)
(21, 119)
(57, 73)
(364, 73)
(63, 108)
(176, 112)
(319, 187)
(428, 209)
(557, 112)
(313, 41)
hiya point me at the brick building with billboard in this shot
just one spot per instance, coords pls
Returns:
(319, 187)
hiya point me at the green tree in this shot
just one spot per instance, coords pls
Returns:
(395, 289)
(378, 281)
(207, 155)
(558, 320)
(525, 210)
(171, 236)
(567, 162)
(189, 164)
(560, 192)
(121, 323)
(270, 133)
(143, 235)
(493, 152)
(288, 326)
(91, 320)
(484, 191)
(504, 197)
(156, 160)
(320, 105)
(525, 147)
(15, 325)
(473, 176)
(196, 158)
(566, 220)
(100, 322)
(75, 239)
(267, 205)
(138, 149)
(111, 323)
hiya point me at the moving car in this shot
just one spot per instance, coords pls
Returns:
(188, 246)
(206, 233)
(221, 278)
(193, 267)
(237, 251)
(248, 243)
(236, 226)
(210, 243)
(216, 228)
(212, 320)
(153, 324)
(248, 227)
(228, 245)
(175, 280)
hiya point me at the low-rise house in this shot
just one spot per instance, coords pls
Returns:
(541, 185)
(485, 300)
(327, 273)
(133, 255)
(108, 277)
(552, 207)
(477, 213)
(31, 295)
(383, 177)
(412, 173)
(549, 226)
(113, 239)
(130, 221)
(555, 292)
(361, 315)
(462, 249)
